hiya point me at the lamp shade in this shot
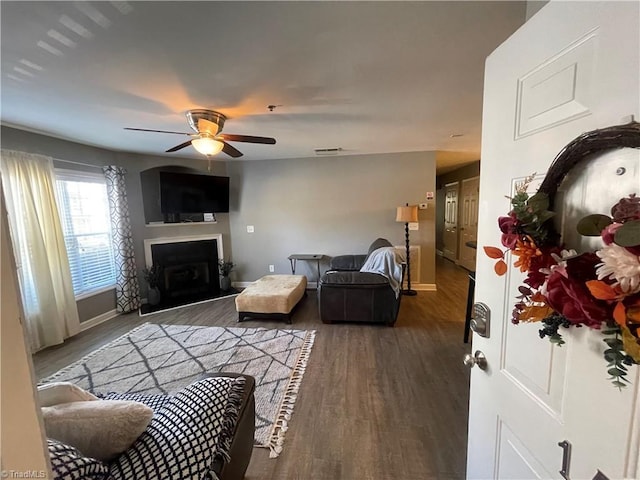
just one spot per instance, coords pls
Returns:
(207, 146)
(407, 214)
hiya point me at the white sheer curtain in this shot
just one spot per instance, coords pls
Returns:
(51, 314)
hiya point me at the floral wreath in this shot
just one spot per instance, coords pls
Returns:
(563, 288)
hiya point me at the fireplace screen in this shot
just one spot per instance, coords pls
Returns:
(189, 270)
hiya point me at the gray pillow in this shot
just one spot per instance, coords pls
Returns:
(100, 429)
(378, 243)
(62, 392)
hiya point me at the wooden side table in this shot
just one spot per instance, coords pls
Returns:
(307, 257)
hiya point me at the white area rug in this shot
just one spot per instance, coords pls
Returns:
(164, 358)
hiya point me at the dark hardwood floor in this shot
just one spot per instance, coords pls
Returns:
(376, 402)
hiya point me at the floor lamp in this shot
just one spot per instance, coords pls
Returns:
(405, 215)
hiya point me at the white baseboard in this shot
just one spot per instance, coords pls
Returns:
(424, 287)
(92, 322)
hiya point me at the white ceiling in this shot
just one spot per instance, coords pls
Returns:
(368, 77)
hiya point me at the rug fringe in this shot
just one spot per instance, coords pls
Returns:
(281, 423)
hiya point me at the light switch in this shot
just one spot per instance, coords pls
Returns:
(250, 229)
(414, 226)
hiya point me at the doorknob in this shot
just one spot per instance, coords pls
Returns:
(477, 358)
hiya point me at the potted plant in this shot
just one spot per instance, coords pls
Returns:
(152, 276)
(225, 267)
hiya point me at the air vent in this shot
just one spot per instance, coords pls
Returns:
(327, 151)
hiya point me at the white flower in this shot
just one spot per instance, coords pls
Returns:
(561, 261)
(620, 264)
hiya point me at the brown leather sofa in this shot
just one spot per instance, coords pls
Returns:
(345, 294)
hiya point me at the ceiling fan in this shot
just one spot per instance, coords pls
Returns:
(208, 140)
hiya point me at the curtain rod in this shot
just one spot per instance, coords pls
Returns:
(77, 163)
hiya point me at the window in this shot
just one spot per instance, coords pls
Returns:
(84, 214)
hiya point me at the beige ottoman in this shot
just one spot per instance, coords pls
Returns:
(272, 296)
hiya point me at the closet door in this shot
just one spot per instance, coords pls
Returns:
(450, 239)
(468, 222)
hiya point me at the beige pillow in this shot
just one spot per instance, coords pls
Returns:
(62, 392)
(100, 429)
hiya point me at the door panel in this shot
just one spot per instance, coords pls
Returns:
(536, 366)
(556, 91)
(468, 223)
(516, 461)
(450, 234)
(572, 68)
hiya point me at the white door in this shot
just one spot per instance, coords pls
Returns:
(468, 222)
(573, 67)
(450, 238)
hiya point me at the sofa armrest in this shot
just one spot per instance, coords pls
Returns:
(343, 279)
(243, 434)
(347, 262)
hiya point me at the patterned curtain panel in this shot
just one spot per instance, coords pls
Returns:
(127, 288)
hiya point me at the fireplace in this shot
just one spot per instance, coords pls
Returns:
(189, 268)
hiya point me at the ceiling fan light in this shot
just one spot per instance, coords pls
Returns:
(207, 146)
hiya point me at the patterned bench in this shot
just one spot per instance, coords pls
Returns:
(272, 296)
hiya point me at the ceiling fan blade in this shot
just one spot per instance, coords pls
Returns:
(156, 131)
(231, 151)
(179, 147)
(247, 138)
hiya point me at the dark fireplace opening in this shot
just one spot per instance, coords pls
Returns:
(186, 279)
(189, 271)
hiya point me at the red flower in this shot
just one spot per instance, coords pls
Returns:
(609, 232)
(626, 209)
(568, 294)
(535, 278)
(608, 235)
(508, 227)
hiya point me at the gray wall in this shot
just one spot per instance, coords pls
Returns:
(96, 305)
(328, 205)
(136, 163)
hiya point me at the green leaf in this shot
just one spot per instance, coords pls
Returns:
(628, 235)
(614, 343)
(619, 384)
(592, 225)
(613, 331)
(539, 202)
(546, 215)
(615, 372)
(556, 340)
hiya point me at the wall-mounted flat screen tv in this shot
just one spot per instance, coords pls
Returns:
(192, 193)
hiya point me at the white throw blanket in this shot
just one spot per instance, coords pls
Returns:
(386, 261)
